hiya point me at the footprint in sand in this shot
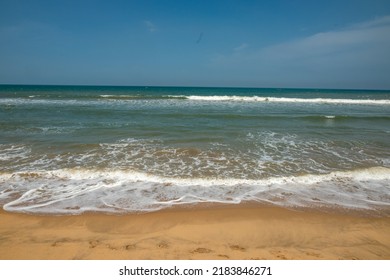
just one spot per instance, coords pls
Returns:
(279, 254)
(224, 256)
(237, 248)
(60, 242)
(129, 247)
(163, 245)
(94, 243)
(201, 251)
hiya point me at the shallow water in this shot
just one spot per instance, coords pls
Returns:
(67, 150)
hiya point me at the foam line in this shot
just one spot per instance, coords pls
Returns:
(290, 100)
(71, 191)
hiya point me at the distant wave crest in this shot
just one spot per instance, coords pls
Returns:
(289, 100)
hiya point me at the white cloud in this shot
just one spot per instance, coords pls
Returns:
(150, 25)
(331, 42)
(385, 20)
(359, 53)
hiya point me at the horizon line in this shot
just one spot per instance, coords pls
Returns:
(184, 86)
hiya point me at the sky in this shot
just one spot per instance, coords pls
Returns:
(269, 43)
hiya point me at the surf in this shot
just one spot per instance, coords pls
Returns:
(75, 191)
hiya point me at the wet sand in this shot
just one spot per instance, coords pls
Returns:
(234, 232)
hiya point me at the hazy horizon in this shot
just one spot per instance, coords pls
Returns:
(183, 86)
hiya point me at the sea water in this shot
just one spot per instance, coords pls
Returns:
(72, 149)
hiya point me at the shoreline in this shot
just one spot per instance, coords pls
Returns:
(245, 231)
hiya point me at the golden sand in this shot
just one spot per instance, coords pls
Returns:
(240, 232)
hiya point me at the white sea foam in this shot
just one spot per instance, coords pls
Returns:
(113, 96)
(37, 101)
(290, 100)
(73, 191)
(13, 152)
(257, 156)
(211, 98)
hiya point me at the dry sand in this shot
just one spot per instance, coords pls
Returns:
(240, 232)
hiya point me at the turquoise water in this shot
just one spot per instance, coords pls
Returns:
(72, 149)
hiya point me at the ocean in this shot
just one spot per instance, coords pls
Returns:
(75, 149)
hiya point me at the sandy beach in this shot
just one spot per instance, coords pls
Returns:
(239, 232)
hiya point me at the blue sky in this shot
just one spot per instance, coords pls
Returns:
(301, 43)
